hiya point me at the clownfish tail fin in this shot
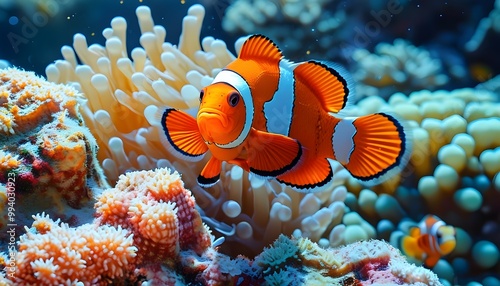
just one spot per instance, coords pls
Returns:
(372, 147)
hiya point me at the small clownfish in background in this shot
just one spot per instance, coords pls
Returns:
(272, 118)
(429, 241)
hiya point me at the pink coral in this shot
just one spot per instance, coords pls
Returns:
(158, 210)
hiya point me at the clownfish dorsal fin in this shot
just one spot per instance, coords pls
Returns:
(261, 48)
(270, 155)
(210, 174)
(328, 81)
(183, 136)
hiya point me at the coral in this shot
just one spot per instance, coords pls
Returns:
(147, 231)
(46, 152)
(292, 24)
(399, 67)
(452, 172)
(156, 208)
(292, 261)
(362, 263)
(52, 253)
(451, 131)
(492, 84)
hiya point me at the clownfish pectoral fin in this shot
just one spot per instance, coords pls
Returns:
(260, 47)
(270, 155)
(210, 174)
(311, 174)
(183, 136)
(409, 247)
(329, 82)
(372, 147)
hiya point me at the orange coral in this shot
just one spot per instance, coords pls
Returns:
(158, 210)
(51, 253)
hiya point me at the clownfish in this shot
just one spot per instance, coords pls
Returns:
(273, 118)
(429, 241)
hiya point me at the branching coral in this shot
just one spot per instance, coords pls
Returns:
(45, 150)
(399, 67)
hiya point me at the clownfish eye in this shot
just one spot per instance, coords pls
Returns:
(233, 99)
(201, 94)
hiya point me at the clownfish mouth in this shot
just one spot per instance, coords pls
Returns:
(211, 114)
(211, 122)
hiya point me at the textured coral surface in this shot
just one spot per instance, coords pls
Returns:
(47, 155)
(158, 210)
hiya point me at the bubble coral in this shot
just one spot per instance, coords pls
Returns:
(452, 173)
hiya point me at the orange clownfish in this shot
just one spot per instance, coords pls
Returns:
(273, 118)
(429, 241)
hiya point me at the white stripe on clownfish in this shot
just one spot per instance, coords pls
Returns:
(240, 84)
(279, 110)
(343, 139)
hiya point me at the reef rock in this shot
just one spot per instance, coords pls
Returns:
(47, 155)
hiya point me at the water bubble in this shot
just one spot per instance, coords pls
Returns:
(13, 20)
